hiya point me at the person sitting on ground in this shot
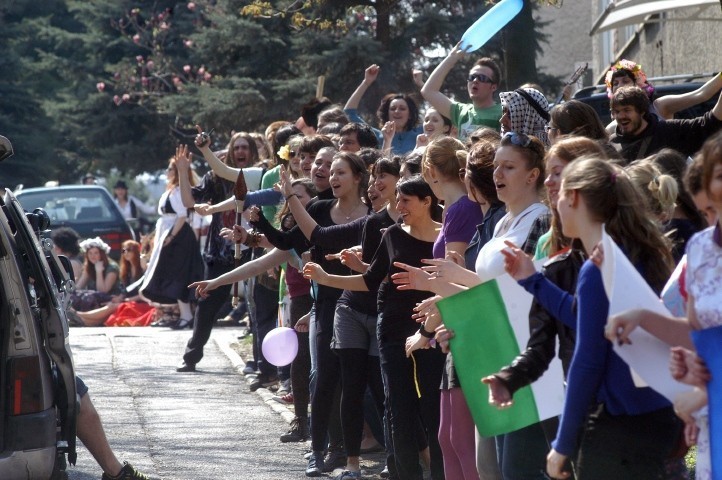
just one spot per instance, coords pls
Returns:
(65, 242)
(98, 283)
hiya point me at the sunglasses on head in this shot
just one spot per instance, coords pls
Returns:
(480, 77)
(516, 139)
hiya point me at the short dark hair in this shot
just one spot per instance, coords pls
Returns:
(492, 65)
(383, 112)
(67, 240)
(630, 96)
(310, 111)
(364, 134)
(392, 166)
(314, 143)
(370, 156)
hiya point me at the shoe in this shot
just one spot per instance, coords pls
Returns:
(186, 367)
(286, 399)
(373, 449)
(182, 323)
(315, 465)
(334, 459)
(128, 472)
(347, 475)
(298, 432)
(263, 381)
(250, 368)
(385, 472)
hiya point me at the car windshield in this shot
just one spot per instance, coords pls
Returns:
(79, 206)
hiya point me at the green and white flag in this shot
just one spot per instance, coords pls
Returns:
(491, 327)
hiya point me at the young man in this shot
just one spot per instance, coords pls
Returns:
(483, 80)
(640, 134)
(355, 136)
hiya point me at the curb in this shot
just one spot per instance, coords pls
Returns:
(224, 341)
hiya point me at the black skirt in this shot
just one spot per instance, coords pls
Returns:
(179, 265)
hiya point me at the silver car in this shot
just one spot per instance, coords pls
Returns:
(38, 398)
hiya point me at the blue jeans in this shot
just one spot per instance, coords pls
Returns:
(522, 455)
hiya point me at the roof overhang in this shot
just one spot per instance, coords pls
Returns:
(633, 12)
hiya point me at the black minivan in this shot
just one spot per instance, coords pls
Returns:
(38, 400)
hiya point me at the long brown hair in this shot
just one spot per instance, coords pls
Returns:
(612, 198)
(567, 149)
(176, 181)
(89, 268)
(130, 271)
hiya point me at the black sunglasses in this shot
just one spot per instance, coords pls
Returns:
(517, 139)
(480, 77)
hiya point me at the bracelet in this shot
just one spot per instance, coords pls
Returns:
(291, 195)
(425, 333)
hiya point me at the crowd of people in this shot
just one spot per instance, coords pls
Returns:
(363, 229)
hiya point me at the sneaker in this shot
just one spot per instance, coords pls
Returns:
(285, 387)
(385, 472)
(128, 472)
(315, 465)
(298, 432)
(263, 381)
(347, 475)
(250, 368)
(286, 399)
(334, 459)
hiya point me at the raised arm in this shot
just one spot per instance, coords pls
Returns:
(370, 75)
(183, 164)
(250, 269)
(203, 142)
(431, 91)
(668, 105)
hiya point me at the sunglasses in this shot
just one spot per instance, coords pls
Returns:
(480, 77)
(516, 139)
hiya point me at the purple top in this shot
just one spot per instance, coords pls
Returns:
(460, 223)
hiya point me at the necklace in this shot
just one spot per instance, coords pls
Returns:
(347, 217)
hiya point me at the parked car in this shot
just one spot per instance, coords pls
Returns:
(597, 96)
(89, 210)
(38, 399)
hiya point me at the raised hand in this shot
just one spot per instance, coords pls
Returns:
(371, 73)
(182, 158)
(285, 182)
(418, 77)
(517, 263)
(203, 139)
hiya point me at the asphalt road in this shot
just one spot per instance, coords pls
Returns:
(184, 426)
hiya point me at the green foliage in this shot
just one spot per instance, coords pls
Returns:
(115, 84)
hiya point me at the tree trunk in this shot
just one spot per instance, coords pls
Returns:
(520, 46)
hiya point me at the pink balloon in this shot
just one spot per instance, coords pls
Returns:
(280, 346)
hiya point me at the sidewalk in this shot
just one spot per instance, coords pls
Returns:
(371, 464)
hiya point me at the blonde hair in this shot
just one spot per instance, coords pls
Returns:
(447, 155)
(612, 199)
(659, 190)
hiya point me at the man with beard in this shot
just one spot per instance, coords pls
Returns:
(640, 134)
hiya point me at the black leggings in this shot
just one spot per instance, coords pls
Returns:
(301, 366)
(327, 374)
(358, 369)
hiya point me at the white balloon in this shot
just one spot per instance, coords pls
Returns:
(280, 346)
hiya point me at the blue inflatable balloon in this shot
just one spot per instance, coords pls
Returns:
(490, 23)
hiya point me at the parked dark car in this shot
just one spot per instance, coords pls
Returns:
(597, 96)
(38, 399)
(89, 210)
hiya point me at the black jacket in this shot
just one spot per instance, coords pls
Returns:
(563, 270)
(685, 136)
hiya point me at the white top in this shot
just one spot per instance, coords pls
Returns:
(139, 205)
(490, 261)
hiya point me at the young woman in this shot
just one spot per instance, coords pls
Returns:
(435, 124)
(98, 283)
(704, 310)
(175, 261)
(630, 431)
(130, 309)
(347, 179)
(408, 243)
(398, 114)
(518, 164)
(354, 338)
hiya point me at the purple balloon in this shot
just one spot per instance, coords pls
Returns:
(280, 346)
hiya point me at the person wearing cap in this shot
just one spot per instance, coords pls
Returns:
(89, 179)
